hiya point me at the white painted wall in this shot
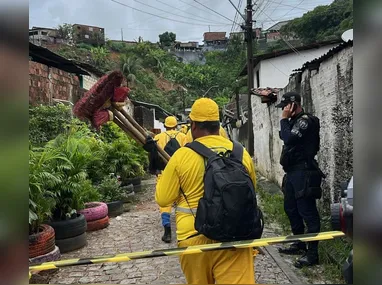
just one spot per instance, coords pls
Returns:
(275, 72)
(328, 94)
(89, 81)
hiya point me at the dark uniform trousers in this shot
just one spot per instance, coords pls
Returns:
(300, 209)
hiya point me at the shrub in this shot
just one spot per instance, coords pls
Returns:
(47, 122)
(110, 190)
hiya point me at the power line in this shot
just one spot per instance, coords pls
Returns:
(165, 18)
(198, 8)
(212, 10)
(236, 16)
(237, 10)
(184, 11)
(144, 4)
(286, 5)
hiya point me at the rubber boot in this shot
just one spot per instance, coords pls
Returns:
(306, 260)
(167, 234)
(294, 248)
(309, 259)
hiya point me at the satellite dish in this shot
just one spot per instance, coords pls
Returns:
(347, 35)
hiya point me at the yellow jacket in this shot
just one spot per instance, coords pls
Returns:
(163, 138)
(222, 133)
(186, 170)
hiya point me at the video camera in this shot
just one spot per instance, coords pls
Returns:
(342, 220)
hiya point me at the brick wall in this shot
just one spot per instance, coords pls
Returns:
(47, 83)
(327, 93)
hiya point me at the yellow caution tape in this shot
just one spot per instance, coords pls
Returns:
(186, 250)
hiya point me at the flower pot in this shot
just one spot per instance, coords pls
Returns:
(94, 211)
(42, 242)
(98, 224)
(53, 255)
(70, 234)
(115, 208)
(69, 228)
(135, 181)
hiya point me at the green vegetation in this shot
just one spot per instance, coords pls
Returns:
(326, 22)
(333, 253)
(68, 161)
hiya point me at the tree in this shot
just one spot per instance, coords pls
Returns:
(99, 56)
(130, 67)
(167, 39)
(323, 23)
(65, 32)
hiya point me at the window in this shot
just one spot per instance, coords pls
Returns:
(86, 36)
(90, 29)
(44, 33)
(258, 78)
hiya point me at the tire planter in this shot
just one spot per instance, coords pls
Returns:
(135, 181)
(115, 208)
(54, 255)
(73, 243)
(98, 224)
(94, 211)
(42, 242)
(69, 228)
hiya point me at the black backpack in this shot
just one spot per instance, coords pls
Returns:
(228, 209)
(172, 145)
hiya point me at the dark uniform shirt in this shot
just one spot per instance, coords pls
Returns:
(301, 139)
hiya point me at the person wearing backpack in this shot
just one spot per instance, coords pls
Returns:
(222, 133)
(170, 140)
(212, 181)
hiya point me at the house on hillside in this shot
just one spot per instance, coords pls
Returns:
(272, 34)
(89, 34)
(215, 41)
(44, 36)
(53, 78)
(274, 69)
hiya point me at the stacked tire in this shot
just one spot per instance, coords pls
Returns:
(70, 234)
(42, 246)
(96, 215)
(115, 208)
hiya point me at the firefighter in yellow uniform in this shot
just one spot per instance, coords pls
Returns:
(222, 133)
(185, 171)
(162, 140)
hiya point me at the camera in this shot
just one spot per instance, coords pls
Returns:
(342, 220)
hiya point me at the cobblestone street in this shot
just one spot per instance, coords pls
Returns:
(140, 229)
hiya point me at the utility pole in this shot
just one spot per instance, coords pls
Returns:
(209, 28)
(122, 34)
(249, 30)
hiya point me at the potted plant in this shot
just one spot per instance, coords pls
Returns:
(113, 195)
(73, 189)
(41, 201)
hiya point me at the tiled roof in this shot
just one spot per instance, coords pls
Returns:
(214, 36)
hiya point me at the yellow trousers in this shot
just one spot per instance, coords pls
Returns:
(165, 209)
(234, 266)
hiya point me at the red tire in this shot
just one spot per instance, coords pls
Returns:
(94, 211)
(54, 255)
(42, 242)
(98, 224)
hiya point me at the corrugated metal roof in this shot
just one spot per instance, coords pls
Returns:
(265, 56)
(315, 63)
(49, 58)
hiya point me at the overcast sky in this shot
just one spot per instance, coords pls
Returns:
(197, 19)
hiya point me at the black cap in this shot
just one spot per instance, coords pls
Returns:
(289, 97)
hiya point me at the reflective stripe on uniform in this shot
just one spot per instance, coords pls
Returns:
(186, 210)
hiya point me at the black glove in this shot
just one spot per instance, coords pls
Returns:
(150, 144)
(155, 162)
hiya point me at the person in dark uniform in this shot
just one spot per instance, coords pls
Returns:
(301, 185)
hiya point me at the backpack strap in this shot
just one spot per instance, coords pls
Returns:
(201, 149)
(237, 151)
